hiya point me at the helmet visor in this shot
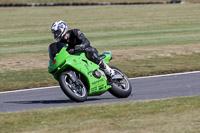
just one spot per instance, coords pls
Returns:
(56, 33)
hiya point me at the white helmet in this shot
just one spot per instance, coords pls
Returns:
(59, 29)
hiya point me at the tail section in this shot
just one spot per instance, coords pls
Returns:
(108, 56)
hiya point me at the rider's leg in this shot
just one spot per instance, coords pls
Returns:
(106, 69)
(92, 54)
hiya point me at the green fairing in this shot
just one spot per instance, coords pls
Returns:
(108, 57)
(80, 63)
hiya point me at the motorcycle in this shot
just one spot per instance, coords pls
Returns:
(79, 77)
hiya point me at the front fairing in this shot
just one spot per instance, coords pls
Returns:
(58, 60)
(63, 61)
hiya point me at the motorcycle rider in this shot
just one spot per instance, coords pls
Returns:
(77, 42)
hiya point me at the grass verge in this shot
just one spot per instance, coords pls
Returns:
(177, 115)
(13, 80)
(26, 79)
(75, 1)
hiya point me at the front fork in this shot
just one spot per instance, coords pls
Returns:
(72, 76)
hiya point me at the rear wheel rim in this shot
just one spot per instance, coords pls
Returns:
(122, 84)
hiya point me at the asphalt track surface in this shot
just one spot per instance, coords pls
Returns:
(144, 88)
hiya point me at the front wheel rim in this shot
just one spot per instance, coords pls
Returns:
(79, 91)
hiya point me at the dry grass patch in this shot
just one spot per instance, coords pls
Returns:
(24, 61)
(29, 61)
(145, 52)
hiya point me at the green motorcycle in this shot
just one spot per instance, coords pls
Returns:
(79, 77)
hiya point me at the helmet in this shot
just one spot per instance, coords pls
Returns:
(59, 29)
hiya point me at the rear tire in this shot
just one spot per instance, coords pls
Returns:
(121, 88)
(76, 93)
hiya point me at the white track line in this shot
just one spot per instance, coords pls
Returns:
(29, 89)
(165, 75)
(156, 76)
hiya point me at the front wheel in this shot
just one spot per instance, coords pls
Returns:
(75, 91)
(121, 87)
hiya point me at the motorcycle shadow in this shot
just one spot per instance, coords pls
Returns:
(57, 101)
(41, 102)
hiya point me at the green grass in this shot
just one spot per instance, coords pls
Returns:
(26, 79)
(177, 115)
(146, 39)
(159, 65)
(191, 1)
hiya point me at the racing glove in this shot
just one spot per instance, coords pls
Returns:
(71, 51)
(79, 48)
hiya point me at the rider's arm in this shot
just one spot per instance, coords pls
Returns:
(85, 43)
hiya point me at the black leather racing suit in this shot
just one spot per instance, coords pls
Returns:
(76, 37)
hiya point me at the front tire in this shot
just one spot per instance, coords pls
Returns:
(121, 88)
(75, 92)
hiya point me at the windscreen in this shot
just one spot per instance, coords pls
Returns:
(55, 48)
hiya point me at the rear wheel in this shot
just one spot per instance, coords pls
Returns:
(121, 87)
(76, 92)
